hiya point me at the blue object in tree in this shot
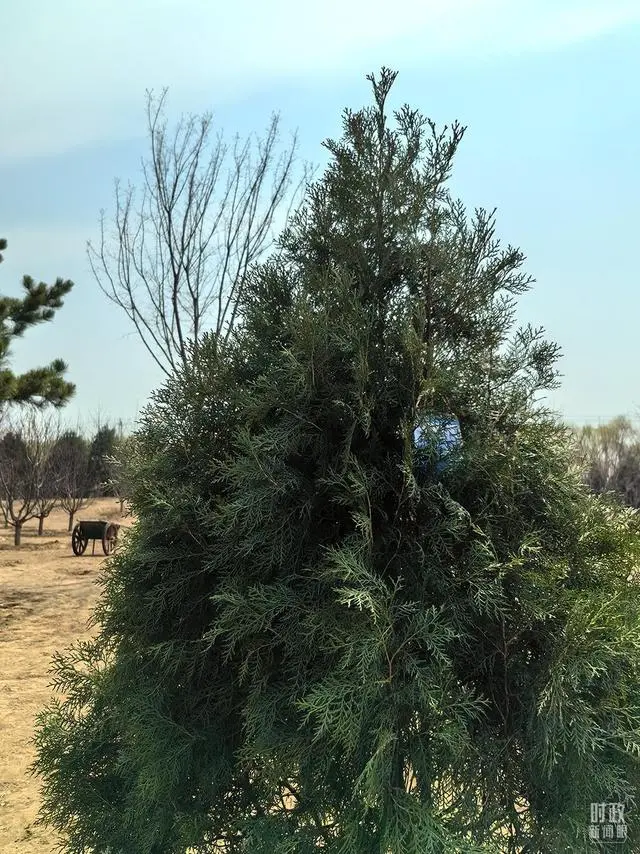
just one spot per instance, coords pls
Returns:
(435, 440)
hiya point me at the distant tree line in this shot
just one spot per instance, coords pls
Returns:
(609, 456)
(43, 466)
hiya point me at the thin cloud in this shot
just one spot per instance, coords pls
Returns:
(75, 72)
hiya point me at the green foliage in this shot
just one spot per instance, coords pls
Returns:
(41, 385)
(307, 645)
(17, 487)
(71, 445)
(70, 456)
(101, 450)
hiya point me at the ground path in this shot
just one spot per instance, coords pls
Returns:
(46, 597)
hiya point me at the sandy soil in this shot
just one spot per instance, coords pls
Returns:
(46, 596)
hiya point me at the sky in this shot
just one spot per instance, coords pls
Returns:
(546, 88)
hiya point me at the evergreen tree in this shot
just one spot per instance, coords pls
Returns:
(101, 450)
(40, 385)
(320, 636)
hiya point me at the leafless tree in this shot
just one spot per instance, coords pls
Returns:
(4, 511)
(18, 504)
(610, 458)
(24, 453)
(71, 455)
(119, 470)
(51, 473)
(180, 249)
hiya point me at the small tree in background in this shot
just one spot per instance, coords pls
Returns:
(49, 483)
(25, 470)
(610, 457)
(120, 466)
(71, 459)
(41, 385)
(18, 501)
(311, 643)
(101, 450)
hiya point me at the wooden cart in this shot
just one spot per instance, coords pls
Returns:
(106, 532)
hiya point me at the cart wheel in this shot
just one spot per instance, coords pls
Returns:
(109, 539)
(78, 541)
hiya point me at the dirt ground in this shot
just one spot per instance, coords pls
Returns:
(46, 597)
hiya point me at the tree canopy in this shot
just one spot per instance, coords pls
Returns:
(39, 303)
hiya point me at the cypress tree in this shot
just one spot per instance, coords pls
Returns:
(322, 634)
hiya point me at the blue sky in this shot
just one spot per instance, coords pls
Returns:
(547, 89)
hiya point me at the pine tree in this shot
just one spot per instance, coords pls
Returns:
(40, 385)
(320, 636)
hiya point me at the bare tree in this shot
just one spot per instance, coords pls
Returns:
(119, 470)
(610, 458)
(180, 250)
(24, 451)
(71, 454)
(51, 474)
(18, 504)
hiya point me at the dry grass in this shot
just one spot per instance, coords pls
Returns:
(46, 596)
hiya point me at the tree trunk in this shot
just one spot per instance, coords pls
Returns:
(40, 525)
(17, 533)
(122, 500)
(72, 513)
